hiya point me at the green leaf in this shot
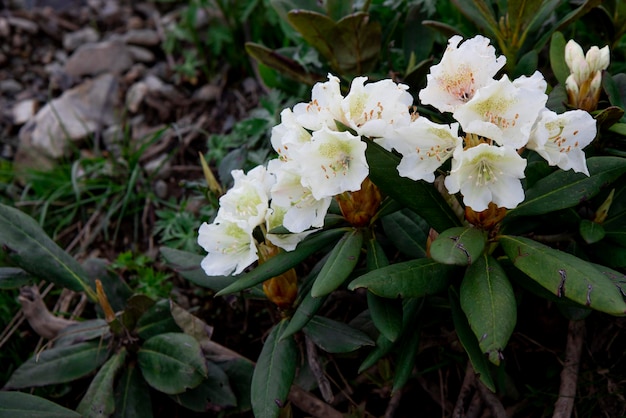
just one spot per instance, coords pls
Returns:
(422, 198)
(188, 265)
(156, 320)
(489, 303)
(279, 264)
(591, 231)
(411, 279)
(386, 314)
(335, 337)
(479, 12)
(190, 324)
(307, 308)
(13, 278)
(405, 361)
(132, 395)
(172, 363)
(23, 405)
(30, 248)
(407, 231)
(565, 21)
(210, 395)
(99, 402)
(283, 64)
(135, 308)
(564, 274)
(58, 365)
(341, 261)
(459, 246)
(239, 371)
(557, 57)
(273, 374)
(83, 331)
(564, 189)
(470, 342)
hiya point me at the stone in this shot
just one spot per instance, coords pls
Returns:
(25, 25)
(76, 114)
(73, 40)
(135, 95)
(140, 54)
(92, 59)
(10, 86)
(143, 37)
(24, 110)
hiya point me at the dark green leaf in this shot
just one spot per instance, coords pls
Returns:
(239, 371)
(99, 402)
(307, 308)
(591, 231)
(405, 361)
(459, 246)
(156, 320)
(188, 265)
(172, 362)
(564, 189)
(564, 274)
(211, 395)
(489, 303)
(132, 395)
(407, 231)
(335, 337)
(565, 21)
(31, 249)
(135, 308)
(411, 279)
(284, 261)
(557, 57)
(13, 278)
(386, 314)
(615, 88)
(341, 261)
(281, 63)
(480, 14)
(83, 331)
(470, 342)
(59, 365)
(273, 374)
(23, 405)
(423, 198)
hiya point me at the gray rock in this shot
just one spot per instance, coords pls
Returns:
(10, 86)
(135, 95)
(25, 25)
(92, 59)
(73, 40)
(74, 115)
(24, 110)
(143, 37)
(140, 54)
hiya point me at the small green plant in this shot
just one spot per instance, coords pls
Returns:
(142, 276)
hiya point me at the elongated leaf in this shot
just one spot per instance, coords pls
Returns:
(341, 261)
(273, 374)
(276, 60)
(239, 371)
(480, 14)
(557, 57)
(411, 279)
(132, 395)
(32, 250)
(83, 331)
(566, 21)
(406, 359)
(211, 395)
(564, 274)
(13, 278)
(407, 231)
(284, 261)
(460, 246)
(172, 362)
(58, 365)
(156, 320)
(564, 189)
(303, 314)
(188, 265)
(591, 231)
(386, 313)
(99, 402)
(335, 337)
(423, 198)
(489, 303)
(23, 405)
(470, 342)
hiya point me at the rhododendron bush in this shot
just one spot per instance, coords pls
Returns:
(354, 159)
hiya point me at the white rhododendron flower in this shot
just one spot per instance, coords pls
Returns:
(560, 139)
(230, 247)
(462, 71)
(248, 199)
(332, 163)
(487, 173)
(275, 219)
(288, 134)
(425, 146)
(302, 210)
(373, 109)
(502, 112)
(324, 108)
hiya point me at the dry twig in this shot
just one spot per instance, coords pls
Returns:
(569, 375)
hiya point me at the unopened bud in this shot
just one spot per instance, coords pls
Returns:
(572, 89)
(573, 53)
(360, 207)
(581, 70)
(596, 83)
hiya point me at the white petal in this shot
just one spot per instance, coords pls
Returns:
(287, 242)
(248, 199)
(230, 246)
(460, 73)
(324, 107)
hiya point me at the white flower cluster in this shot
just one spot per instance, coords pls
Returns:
(321, 153)
(318, 159)
(498, 118)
